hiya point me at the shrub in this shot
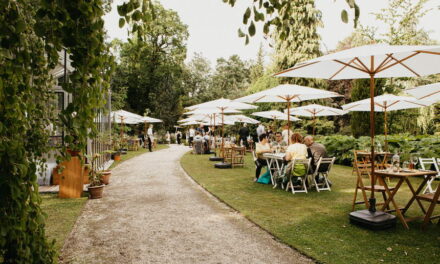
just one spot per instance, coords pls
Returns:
(342, 147)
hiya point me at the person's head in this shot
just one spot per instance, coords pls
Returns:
(296, 138)
(244, 125)
(263, 138)
(286, 127)
(278, 136)
(308, 141)
(197, 133)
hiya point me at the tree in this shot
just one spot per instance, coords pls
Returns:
(197, 79)
(151, 67)
(257, 68)
(230, 79)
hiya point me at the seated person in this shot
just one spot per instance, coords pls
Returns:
(262, 147)
(279, 142)
(198, 137)
(296, 150)
(315, 150)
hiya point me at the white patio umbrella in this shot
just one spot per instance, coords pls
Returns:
(191, 123)
(429, 92)
(275, 115)
(124, 117)
(370, 62)
(222, 105)
(315, 110)
(242, 119)
(287, 93)
(385, 103)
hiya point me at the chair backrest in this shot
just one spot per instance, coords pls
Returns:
(254, 156)
(305, 162)
(429, 164)
(324, 165)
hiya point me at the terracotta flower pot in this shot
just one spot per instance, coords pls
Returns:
(105, 178)
(95, 192)
(117, 157)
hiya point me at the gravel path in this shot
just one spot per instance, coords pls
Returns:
(153, 213)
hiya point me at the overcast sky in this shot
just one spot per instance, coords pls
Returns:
(213, 25)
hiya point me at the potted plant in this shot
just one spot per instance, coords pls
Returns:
(105, 176)
(96, 187)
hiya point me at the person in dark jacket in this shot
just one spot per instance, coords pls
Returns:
(244, 134)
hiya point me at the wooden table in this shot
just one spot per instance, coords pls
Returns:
(403, 176)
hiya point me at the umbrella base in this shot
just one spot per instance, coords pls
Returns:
(373, 220)
(215, 158)
(223, 165)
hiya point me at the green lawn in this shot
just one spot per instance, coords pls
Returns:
(131, 154)
(61, 216)
(316, 223)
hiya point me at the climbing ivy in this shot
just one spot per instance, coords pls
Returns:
(34, 32)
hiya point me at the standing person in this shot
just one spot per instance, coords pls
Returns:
(262, 147)
(244, 134)
(191, 135)
(149, 142)
(168, 137)
(179, 137)
(150, 134)
(286, 133)
(260, 130)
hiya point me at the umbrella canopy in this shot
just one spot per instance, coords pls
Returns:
(379, 60)
(287, 93)
(385, 103)
(429, 92)
(190, 123)
(242, 119)
(148, 119)
(222, 104)
(314, 110)
(371, 61)
(122, 116)
(210, 111)
(275, 115)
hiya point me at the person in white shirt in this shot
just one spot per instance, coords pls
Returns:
(285, 133)
(150, 138)
(168, 137)
(192, 134)
(260, 130)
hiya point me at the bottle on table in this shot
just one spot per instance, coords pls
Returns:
(396, 162)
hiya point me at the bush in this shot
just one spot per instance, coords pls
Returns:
(342, 147)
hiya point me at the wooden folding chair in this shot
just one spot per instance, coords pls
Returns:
(429, 164)
(227, 155)
(433, 199)
(238, 156)
(362, 166)
(302, 186)
(323, 169)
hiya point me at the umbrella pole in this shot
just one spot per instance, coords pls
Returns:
(288, 121)
(372, 199)
(223, 136)
(215, 139)
(145, 132)
(386, 128)
(314, 124)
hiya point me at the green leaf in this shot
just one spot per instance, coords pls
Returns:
(246, 16)
(251, 29)
(121, 22)
(247, 40)
(240, 33)
(136, 15)
(20, 26)
(344, 16)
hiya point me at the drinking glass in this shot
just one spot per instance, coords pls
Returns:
(414, 159)
(405, 165)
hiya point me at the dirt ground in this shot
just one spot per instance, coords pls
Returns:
(153, 213)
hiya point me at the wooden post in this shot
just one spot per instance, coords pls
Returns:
(386, 126)
(372, 131)
(288, 121)
(314, 123)
(71, 182)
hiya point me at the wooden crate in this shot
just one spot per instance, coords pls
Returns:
(71, 181)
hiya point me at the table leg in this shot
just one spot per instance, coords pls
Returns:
(415, 193)
(391, 199)
(269, 167)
